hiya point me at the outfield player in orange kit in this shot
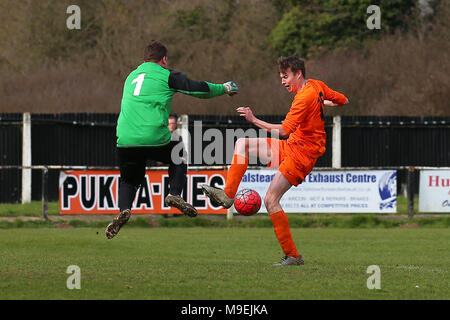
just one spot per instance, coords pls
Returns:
(295, 157)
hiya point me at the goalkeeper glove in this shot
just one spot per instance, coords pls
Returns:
(231, 88)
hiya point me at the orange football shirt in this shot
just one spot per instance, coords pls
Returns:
(305, 123)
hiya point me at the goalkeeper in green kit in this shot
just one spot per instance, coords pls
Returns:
(142, 132)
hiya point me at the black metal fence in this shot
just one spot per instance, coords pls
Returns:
(89, 140)
(10, 154)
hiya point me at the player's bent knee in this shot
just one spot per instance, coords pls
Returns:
(270, 201)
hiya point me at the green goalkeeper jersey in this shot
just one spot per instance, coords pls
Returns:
(147, 101)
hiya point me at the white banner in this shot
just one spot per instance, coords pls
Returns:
(332, 191)
(434, 191)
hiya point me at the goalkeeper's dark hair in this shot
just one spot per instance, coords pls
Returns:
(292, 62)
(155, 51)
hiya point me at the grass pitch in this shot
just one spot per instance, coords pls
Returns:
(223, 263)
(34, 208)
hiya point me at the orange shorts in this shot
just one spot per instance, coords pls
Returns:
(294, 169)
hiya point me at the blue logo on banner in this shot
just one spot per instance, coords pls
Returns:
(388, 190)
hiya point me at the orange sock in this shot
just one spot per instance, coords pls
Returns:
(283, 232)
(235, 173)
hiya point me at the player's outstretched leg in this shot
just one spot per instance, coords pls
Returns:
(217, 196)
(179, 203)
(113, 228)
(244, 148)
(225, 197)
(177, 180)
(127, 192)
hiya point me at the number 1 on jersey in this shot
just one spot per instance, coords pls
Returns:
(139, 80)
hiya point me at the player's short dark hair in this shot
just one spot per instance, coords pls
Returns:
(293, 62)
(155, 51)
(173, 115)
